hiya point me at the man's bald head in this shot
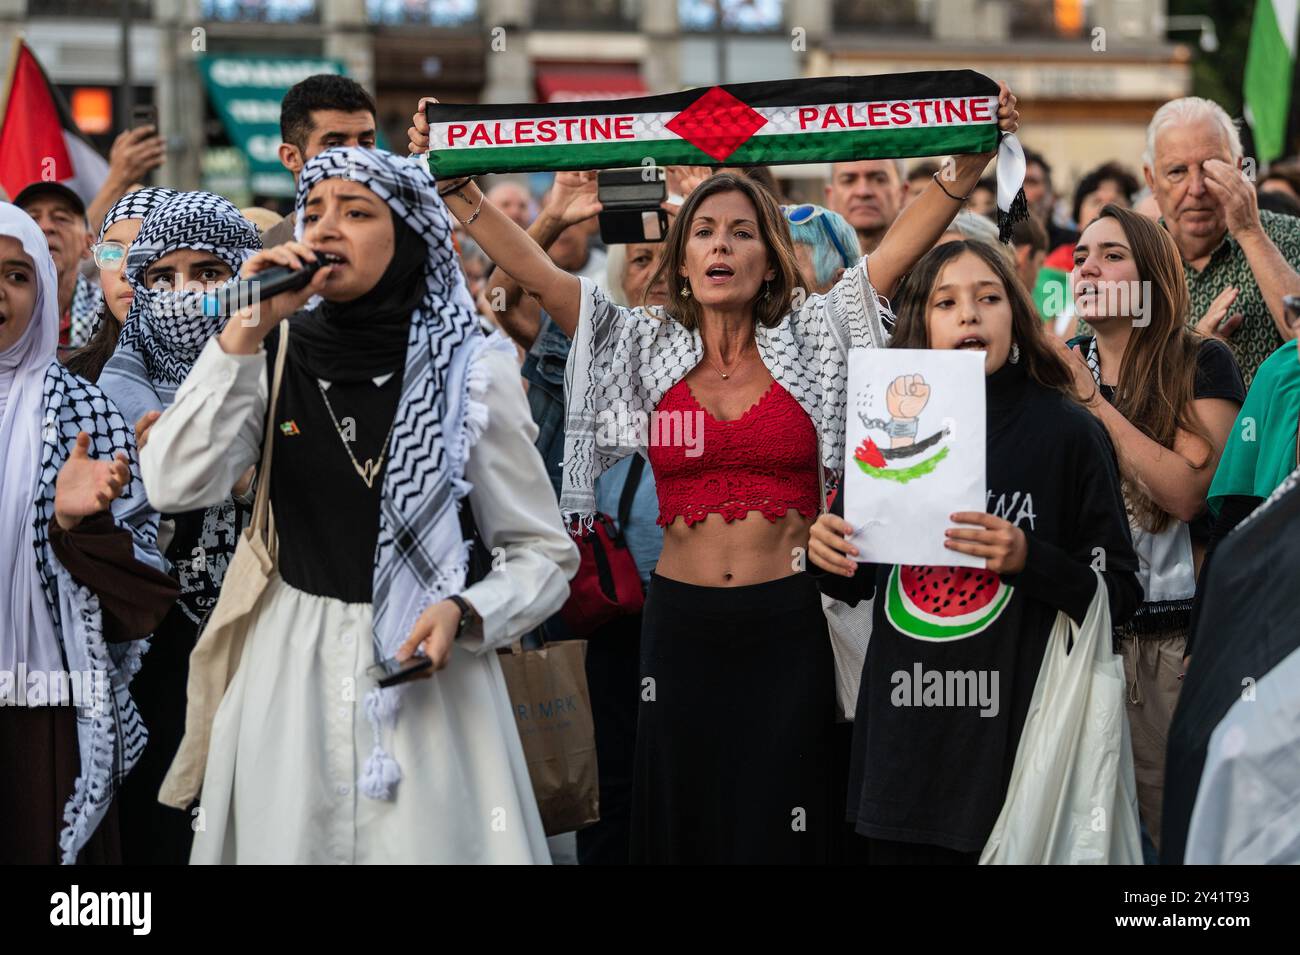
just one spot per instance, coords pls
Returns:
(514, 200)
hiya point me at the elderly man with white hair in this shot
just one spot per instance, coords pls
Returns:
(1237, 259)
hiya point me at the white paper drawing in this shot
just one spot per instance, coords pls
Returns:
(915, 452)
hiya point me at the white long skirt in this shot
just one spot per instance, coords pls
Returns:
(291, 736)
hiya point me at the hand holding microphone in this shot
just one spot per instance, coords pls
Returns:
(249, 325)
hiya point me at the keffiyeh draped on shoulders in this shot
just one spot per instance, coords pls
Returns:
(420, 558)
(161, 338)
(624, 360)
(50, 621)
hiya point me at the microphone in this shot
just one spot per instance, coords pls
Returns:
(265, 284)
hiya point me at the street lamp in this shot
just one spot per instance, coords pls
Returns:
(126, 96)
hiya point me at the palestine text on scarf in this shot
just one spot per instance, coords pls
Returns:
(596, 129)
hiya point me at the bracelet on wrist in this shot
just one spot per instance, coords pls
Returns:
(936, 178)
(456, 186)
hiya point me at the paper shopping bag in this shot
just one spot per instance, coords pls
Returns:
(548, 692)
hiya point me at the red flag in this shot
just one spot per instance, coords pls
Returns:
(38, 139)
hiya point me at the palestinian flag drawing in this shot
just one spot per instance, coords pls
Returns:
(824, 119)
(1234, 743)
(39, 141)
(901, 464)
(906, 459)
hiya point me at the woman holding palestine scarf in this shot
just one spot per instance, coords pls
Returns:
(734, 757)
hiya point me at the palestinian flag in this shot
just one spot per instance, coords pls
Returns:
(1234, 745)
(826, 119)
(38, 139)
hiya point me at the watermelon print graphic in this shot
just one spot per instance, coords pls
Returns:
(944, 603)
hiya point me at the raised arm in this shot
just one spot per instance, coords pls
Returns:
(516, 253)
(504, 242)
(1275, 276)
(572, 199)
(921, 223)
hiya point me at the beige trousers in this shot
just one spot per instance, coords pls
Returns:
(1153, 667)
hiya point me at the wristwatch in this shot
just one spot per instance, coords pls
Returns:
(468, 615)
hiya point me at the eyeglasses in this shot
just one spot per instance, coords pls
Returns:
(798, 215)
(109, 256)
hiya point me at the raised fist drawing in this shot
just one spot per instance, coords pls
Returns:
(907, 395)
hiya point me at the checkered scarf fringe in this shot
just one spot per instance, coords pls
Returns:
(110, 733)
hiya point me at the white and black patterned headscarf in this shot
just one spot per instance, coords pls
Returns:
(161, 339)
(135, 205)
(88, 299)
(420, 558)
(48, 620)
(166, 329)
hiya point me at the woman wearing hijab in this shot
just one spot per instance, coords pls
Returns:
(121, 226)
(308, 760)
(189, 244)
(81, 577)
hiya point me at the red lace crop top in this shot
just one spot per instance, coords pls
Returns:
(765, 460)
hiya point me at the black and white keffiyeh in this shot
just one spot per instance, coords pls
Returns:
(161, 338)
(420, 557)
(44, 407)
(88, 300)
(166, 328)
(135, 205)
(624, 360)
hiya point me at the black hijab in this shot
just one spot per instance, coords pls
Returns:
(366, 337)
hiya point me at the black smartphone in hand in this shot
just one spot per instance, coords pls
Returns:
(630, 205)
(144, 114)
(391, 672)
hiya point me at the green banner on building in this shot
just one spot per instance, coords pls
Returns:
(246, 93)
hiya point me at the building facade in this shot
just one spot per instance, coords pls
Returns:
(1088, 74)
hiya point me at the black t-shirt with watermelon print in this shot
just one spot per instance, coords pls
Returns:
(955, 653)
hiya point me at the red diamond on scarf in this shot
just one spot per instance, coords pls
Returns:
(717, 123)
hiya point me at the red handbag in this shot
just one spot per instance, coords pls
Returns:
(607, 585)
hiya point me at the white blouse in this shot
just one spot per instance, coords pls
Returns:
(213, 433)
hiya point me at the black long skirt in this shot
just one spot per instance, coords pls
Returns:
(39, 765)
(154, 834)
(734, 732)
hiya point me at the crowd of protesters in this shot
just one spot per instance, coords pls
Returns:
(204, 572)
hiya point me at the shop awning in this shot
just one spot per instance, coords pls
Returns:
(555, 85)
(246, 93)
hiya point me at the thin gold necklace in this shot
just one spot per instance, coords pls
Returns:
(372, 466)
(739, 358)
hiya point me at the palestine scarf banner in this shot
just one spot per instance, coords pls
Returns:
(825, 119)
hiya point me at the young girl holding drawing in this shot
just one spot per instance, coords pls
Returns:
(930, 769)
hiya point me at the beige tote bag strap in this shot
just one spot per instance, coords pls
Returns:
(262, 500)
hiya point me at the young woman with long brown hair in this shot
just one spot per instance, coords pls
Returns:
(926, 784)
(1168, 397)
